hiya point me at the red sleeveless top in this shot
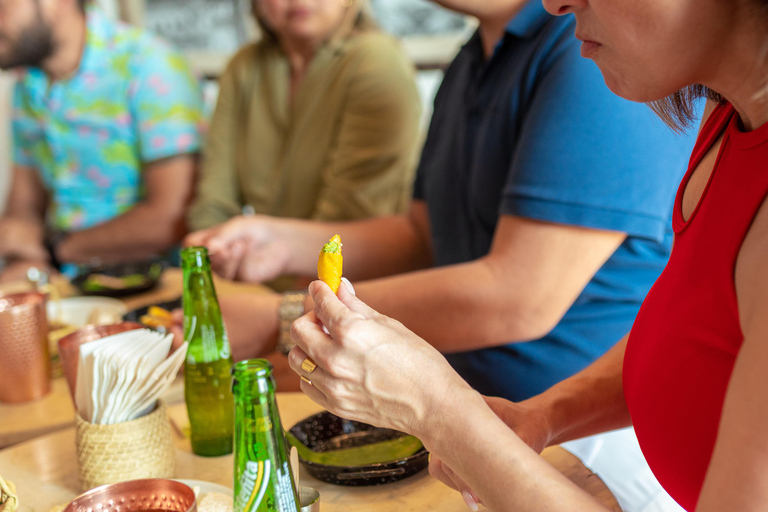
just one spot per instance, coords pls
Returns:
(687, 334)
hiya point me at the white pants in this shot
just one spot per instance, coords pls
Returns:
(616, 458)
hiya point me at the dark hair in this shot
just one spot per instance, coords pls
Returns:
(82, 4)
(678, 110)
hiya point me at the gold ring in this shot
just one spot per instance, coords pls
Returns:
(308, 365)
(306, 380)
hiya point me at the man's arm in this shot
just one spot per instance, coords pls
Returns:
(518, 292)
(260, 248)
(22, 227)
(150, 227)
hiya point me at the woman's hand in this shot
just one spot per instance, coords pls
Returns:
(371, 368)
(247, 249)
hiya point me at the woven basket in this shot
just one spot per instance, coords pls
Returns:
(141, 448)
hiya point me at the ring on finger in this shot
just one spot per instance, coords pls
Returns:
(308, 365)
(306, 380)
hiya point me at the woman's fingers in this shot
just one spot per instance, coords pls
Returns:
(446, 475)
(328, 308)
(436, 470)
(306, 368)
(348, 297)
(312, 376)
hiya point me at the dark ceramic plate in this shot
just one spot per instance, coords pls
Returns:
(119, 280)
(326, 431)
(136, 314)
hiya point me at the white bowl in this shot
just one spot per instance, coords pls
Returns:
(76, 311)
(207, 486)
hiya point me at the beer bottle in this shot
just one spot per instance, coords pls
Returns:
(210, 405)
(263, 478)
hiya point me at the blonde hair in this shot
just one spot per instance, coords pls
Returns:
(358, 18)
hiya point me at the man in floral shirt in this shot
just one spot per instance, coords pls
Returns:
(106, 128)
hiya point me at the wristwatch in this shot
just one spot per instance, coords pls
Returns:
(291, 308)
(51, 242)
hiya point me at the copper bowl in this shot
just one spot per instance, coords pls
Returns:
(69, 347)
(137, 496)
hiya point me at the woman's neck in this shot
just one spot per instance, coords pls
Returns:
(741, 72)
(300, 55)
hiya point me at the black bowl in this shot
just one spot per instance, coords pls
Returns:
(325, 431)
(136, 277)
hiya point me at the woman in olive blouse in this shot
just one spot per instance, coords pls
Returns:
(317, 120)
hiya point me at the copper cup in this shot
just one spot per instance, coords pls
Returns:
(25, 367)
(137, 496)
(69, 347)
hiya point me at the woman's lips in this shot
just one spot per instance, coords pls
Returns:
(588, 48)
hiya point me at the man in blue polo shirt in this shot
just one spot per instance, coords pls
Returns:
(540, 219)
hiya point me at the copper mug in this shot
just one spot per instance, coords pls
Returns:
(25, 367)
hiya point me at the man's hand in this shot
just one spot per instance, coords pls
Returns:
(22, 239)
(250, 249)
(251, 320)
(528, 422)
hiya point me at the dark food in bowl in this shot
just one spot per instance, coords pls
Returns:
(120, 279)
(325, 432)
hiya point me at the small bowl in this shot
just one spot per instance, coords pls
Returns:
(148, 271)
(69, 347)
(137, 496)
(326, 431)
(309, 499)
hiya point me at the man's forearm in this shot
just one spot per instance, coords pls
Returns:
(373, 248)
(141, 232)
(590, 402)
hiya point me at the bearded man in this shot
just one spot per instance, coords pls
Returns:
(106, 129)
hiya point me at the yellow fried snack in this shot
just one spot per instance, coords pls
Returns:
(157, 317)
(8, 500)
(329, 263)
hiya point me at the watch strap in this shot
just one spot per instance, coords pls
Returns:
(291, 308)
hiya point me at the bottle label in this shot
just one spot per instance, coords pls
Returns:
(285, 495)
(253, 485)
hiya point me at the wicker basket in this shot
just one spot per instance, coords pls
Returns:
(141, 448)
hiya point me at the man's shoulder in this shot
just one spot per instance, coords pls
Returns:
(141, 48)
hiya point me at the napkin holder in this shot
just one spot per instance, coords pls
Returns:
(136, 449)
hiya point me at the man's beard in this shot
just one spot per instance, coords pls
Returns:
(33, 45)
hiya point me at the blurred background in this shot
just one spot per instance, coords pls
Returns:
(210, 31)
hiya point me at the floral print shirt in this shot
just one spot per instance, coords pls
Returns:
(133, 100)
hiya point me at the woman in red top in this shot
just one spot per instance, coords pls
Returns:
(692, 376)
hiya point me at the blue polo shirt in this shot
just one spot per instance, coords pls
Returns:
(534, 132)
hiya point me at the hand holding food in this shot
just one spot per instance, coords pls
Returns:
(329, 263)
(371, 368)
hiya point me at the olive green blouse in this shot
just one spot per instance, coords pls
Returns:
(344, 149)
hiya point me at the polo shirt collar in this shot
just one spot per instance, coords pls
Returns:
(529, 20)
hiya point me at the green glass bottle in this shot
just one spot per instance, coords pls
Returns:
(210, 404)
(263, 478)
